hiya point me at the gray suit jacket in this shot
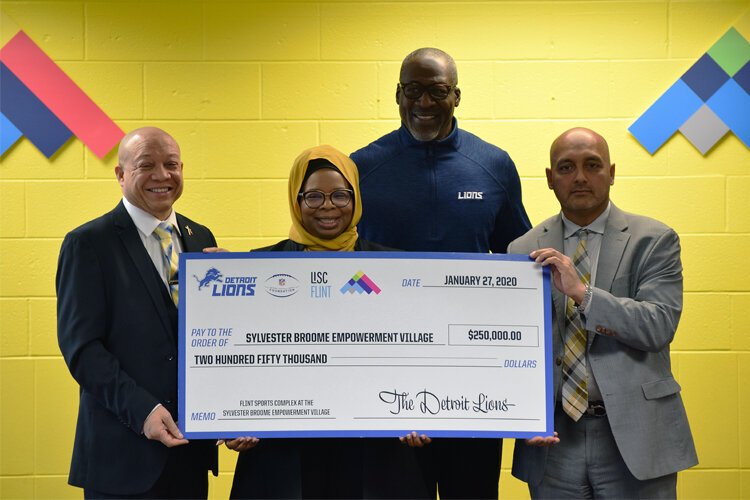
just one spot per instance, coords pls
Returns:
(636, 305)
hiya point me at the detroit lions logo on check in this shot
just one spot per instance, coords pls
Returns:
(212, 274)
(227, 286)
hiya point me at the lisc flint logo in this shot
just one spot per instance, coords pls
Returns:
(319, 287)
(229, 286)
(282, 285)
(360, 283)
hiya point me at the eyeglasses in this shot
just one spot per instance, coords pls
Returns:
(414, 90)
(339, 198)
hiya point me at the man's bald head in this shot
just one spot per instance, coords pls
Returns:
(451, 72)
(579, 135)
(133, 137)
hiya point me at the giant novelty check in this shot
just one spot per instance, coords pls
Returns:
(364, 344)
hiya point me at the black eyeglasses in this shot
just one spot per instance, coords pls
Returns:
(315, 199)
(414, 90)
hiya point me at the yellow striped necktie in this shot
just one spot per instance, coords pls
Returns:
(575, 395)
(169, 252)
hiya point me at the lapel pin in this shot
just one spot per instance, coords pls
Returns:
(190, 231)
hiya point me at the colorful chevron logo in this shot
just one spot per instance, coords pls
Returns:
(360, 283)
(710, 99)
(39, 101)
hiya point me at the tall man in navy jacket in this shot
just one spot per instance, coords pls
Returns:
(430, 186)
(117, 329)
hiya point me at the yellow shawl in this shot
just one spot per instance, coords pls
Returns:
(346, 240)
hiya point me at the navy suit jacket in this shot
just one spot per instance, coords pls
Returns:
(117, 330)
(635, 309)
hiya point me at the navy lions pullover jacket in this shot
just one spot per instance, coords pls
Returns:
(460, 194)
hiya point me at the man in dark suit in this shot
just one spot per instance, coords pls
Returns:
(617, 298)
(117, 330)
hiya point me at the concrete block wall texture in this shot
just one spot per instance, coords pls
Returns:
(245, 86)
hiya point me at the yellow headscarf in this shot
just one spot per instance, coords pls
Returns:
(346, 240)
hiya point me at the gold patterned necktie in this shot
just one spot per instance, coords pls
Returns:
(575, 394)
(164, 233)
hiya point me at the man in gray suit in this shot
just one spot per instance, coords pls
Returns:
(621, 427)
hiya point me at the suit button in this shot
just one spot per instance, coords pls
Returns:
(558, 361)
(170, 357)
(168, 401)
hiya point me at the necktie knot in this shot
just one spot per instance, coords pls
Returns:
(164, 231)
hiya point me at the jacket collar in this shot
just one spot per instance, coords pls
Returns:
(452, 141)
(190, 242)
(128, 234)
(552, 237)
(614, 241)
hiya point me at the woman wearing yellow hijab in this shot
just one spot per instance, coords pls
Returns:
(325, 206)
(324, 202)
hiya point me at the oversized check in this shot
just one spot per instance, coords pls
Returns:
(313, 344)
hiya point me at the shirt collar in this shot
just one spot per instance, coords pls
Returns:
(144, 221)
(597, 226)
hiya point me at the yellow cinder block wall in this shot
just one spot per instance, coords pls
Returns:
(245, 86)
